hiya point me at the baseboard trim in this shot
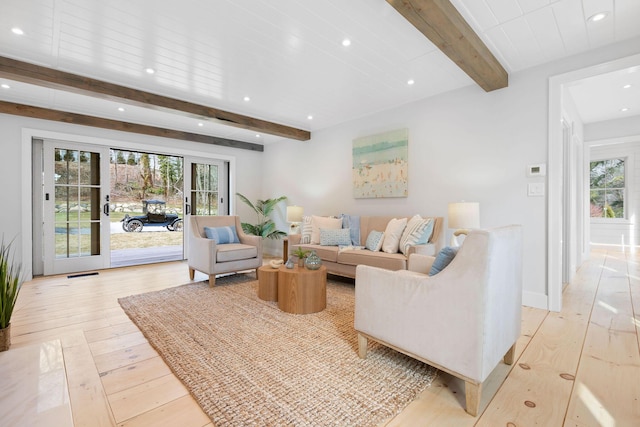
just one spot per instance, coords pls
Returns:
(535, 300)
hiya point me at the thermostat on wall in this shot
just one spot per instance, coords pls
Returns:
(537, 170)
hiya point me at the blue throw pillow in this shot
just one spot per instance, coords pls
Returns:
(334, 237)
(222, 235)
(444, 257)
(374, 240)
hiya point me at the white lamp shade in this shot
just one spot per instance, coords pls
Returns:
(294, 213)
(464, 215)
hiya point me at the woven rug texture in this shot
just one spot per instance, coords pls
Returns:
(249, 364)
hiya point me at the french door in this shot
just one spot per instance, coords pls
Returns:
(75, 207)
(206, 189)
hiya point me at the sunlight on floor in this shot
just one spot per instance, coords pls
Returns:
(608, 307)
(600, 414)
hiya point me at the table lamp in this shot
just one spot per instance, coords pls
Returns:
(462, 217)
(294, 216)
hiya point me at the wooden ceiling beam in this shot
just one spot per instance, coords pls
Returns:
(54, 79)
(99, 122)
(441, 22)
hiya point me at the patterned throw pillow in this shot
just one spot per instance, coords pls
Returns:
(318, 222)
(222, 235)
(392, 235)
(334, 237)
(306, 230)
(374, 240)
(444, 257)
(417, 232)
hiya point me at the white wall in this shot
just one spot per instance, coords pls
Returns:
(463, 145)
(15, 170)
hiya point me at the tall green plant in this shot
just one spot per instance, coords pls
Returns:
(265, 226)
(10, 283)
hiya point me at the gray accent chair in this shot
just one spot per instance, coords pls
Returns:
(210, 258)
(463, 320)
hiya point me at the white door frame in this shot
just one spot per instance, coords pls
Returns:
(554, 184)
(28, 134)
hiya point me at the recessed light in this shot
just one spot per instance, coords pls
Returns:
(200, 124)
(624, 109)
(626, 86)
(346, 42)
(257, 135)
(598, 17)
(5, 86)
(120, 109)
(410, 82)
(17, 31)
(150, 70)
(246, 99)
(309, 117)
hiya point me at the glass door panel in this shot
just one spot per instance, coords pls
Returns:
(75, 184)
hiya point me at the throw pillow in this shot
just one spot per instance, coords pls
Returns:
(352, 222)
(306, 230)
(374, 240)
(417, 232)
(222, 235)
(392, 235)
(444, 257)
(318, 222)
(333, 237)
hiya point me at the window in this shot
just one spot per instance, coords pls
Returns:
(607, 188)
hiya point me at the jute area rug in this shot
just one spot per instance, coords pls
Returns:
(248, 363)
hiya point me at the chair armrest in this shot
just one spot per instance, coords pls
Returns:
(420, 263)
(202, 253)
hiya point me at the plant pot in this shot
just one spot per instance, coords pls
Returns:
(5, 338)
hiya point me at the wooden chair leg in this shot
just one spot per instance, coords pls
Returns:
(212, 280)
(362, 346)
(192, 273)
(510, 355)
(472, 394)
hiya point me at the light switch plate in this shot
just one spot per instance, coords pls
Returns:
(536, 189)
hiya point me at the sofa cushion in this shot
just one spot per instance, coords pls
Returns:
(222, 235)
(417, 232)
(335, 237)
(235, 252)
(374, 240)
(318, 222)
(392, 235)
(384, 260)
(444, 257)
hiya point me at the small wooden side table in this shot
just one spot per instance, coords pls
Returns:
(268, 283)
(302, 291)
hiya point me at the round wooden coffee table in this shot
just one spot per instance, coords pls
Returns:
(302, 291)
(268, 283)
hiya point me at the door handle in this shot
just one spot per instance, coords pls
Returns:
(105, 209)
(187, 209)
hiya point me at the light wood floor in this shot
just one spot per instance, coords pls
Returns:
(579, 367)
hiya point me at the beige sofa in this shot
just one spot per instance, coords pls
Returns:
(344, 262)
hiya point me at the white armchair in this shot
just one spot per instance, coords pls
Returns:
(210, 258)
(463, 320)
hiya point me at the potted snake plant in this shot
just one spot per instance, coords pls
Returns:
(10, 283)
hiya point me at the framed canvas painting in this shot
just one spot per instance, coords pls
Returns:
(380, 165)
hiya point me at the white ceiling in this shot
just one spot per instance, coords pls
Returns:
(288, 57)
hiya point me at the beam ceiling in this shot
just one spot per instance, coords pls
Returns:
(84, 120)
(42, 76)
(441, 22)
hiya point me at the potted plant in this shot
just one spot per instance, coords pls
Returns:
(265, 226)
(10, 283)
(301, 254)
